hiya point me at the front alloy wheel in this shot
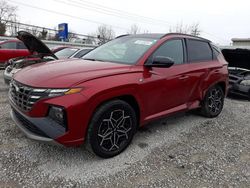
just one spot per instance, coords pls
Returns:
(112, 128)
(113, 132)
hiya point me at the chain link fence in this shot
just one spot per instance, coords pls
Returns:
(49, 34)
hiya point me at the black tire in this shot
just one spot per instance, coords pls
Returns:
(112, 128)
(213, 102)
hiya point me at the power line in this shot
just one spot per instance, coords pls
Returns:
(101, 11)
(118, 13)
(97, 22)
(124, 12)
(114, 12)
(71, 16)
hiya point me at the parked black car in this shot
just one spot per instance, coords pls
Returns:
(239, 71)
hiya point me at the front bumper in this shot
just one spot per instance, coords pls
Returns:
(238, 89)
(40, 129)
(28, 133)
(77, 118)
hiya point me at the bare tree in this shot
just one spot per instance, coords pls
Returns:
(43, 34)
(34, 31)
(146, 31)
(134, 29)
(72, 36)
(105, 33)
(193, 29)
(179, 28)
(14, 27)
(7, 14)
(91, 39)
(53, 35)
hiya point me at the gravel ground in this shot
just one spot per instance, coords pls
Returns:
(182, 151)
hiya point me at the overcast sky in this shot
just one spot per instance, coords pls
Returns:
(220, 20)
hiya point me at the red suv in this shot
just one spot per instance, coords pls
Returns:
(119, 86)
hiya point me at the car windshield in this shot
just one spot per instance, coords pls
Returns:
(125, 50)
(66, 52)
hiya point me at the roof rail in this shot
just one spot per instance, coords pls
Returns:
(186, 35)
(164, 35)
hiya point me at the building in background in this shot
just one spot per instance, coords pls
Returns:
(241, 42)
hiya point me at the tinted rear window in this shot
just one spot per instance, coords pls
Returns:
(199, 51)
(8, 45)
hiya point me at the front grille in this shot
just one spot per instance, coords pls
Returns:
(28, 125)
(233, 77)
(24, 96)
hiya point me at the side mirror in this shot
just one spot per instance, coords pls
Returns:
(160, 61)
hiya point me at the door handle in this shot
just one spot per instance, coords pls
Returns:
(184, 77)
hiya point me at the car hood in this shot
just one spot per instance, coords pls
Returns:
(34, 44)
(67, 73)
(239, 58)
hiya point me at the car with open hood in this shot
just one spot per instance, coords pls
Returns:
(239, 71)
(103, 98)
(41, 53)
(73, 52)
(11, 49)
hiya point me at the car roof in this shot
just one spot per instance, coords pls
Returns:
(162, 35)
(145, 35)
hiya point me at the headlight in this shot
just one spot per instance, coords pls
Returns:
(245, 82)
(60, 92)
(14, 71)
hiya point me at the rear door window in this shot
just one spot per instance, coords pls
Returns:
(172, 49)
(198, 51)
(8, 45)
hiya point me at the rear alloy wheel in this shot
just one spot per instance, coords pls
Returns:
(112, 128)
(213, 102)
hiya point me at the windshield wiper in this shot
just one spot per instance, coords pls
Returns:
(90, 59)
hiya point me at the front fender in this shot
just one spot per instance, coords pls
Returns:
(101, 90)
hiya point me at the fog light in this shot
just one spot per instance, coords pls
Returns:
(57, 114)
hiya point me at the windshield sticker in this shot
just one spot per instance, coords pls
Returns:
(143, 42)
